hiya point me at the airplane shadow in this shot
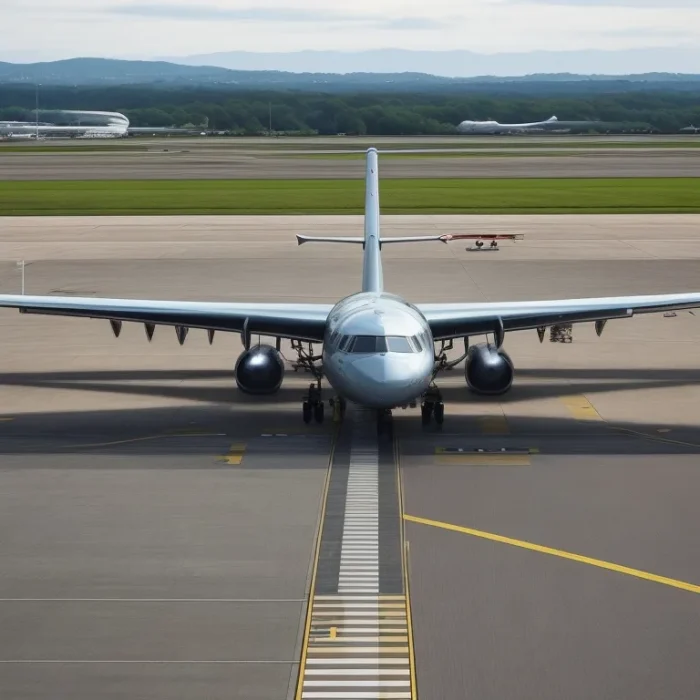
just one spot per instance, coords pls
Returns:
(193, 385)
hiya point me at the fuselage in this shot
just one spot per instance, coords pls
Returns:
(378, 350)
(494, 127)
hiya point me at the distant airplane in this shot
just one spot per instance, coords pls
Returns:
(18, 130)
(493, 127)
(378, 350)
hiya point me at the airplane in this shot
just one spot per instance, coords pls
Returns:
(378, 349)
(493, 127)
(30, 130)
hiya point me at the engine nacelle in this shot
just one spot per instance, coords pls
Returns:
(488, 370)
(259, 370)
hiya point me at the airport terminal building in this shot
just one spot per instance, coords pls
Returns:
(63, 122)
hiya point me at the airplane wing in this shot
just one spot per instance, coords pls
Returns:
(457, 320)
(296, 321)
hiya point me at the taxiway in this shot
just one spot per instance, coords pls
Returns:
(179, 164)
(160, 528)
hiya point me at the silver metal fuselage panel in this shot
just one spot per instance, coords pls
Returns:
(377, 379)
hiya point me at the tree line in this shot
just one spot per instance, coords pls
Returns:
(253, 112)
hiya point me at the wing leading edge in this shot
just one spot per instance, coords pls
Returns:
(456, 320)
(296, 321)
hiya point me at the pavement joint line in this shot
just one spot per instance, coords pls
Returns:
(599, 563)
(126, 441)
(655, 438)
(143, 661)
(152, 600)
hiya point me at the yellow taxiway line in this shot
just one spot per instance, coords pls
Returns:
(628, 571)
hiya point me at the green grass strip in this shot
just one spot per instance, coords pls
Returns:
(91, 148)
(398, 196)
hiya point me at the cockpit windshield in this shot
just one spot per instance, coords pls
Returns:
(379, 343)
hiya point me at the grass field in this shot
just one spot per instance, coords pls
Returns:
(89, 148)
(434, 196)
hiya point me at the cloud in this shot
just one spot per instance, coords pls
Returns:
(208, 13)
(637, 4)
(412, 24)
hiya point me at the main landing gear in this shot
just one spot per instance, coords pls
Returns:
(312, 405)
(432, 407)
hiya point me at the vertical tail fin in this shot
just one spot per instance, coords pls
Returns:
(372, 277)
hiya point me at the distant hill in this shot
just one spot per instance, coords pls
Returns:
(100, 72)
(461, 64)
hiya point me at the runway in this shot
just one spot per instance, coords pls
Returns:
(180, 163)
(160, 528)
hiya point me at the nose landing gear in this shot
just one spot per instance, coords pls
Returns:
(384, 424)
(432, 407)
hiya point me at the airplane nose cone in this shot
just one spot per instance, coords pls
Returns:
(395, 380)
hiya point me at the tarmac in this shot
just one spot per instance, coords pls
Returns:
(160, 528)
(177, 162)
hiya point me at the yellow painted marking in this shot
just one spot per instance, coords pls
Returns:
(494, 425)
(235, 454)
(484, 460)
(334, 631)
(405, 565)
(6, 419)
(557, 553)
(314, 573)
(581, 408)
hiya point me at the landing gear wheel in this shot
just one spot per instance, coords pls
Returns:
(318, 412)
(439, 412)
(306, 411)
(426, 412)
(383, 422)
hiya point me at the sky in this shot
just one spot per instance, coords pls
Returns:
(53, 29)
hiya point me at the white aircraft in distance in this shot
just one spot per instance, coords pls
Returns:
(493, 127)
(378, 349)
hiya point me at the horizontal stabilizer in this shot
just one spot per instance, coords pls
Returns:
(443, 238)
(358, 239)
(329, 239)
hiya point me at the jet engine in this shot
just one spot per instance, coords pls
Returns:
(259, 370)
(488, 370)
